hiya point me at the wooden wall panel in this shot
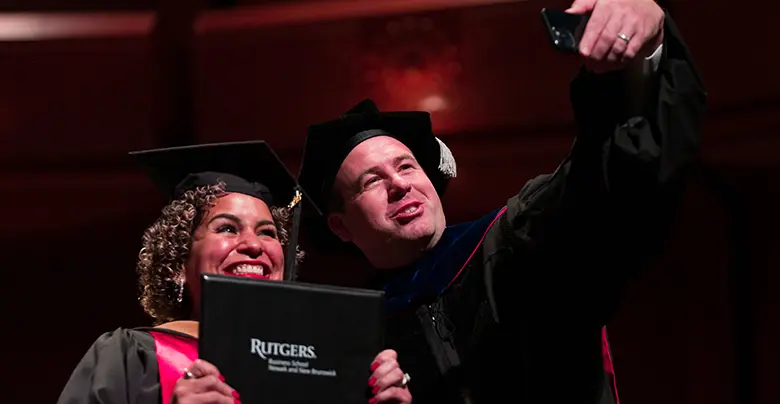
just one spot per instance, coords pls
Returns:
(74, 101)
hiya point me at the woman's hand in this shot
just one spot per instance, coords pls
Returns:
(202, 384)
(388, 382)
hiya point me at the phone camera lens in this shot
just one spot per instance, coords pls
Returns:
(564, 39)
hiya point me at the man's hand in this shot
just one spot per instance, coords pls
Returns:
(618, 32)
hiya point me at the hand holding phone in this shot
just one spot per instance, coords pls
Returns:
(610, 35)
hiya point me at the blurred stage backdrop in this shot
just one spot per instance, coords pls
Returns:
(82, 82)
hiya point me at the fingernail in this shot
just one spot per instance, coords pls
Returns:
(375, 390)
(222, 378)
(372, 400)
(236, 402)
(236, 395)
(374, 366)
(372, 381)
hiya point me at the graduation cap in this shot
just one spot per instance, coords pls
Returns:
(329, 143)
(251, 168)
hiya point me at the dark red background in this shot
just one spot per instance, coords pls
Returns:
(699, 328)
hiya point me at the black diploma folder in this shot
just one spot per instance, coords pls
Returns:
(290, 342)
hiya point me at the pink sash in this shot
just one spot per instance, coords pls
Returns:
(174, 353)
(606, 353)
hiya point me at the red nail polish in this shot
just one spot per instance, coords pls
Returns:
(236, 395)
(372, 400)
(376, 390)
(371, 381)
(236, 402)
(222, 378)
(374, 366)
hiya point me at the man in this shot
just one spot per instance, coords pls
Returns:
(512, 307)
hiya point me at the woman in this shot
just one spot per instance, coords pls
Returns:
(225, 217)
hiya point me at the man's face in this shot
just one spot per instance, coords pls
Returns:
(390, 205)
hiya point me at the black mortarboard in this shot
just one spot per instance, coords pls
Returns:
(251, 168)
(329, 143)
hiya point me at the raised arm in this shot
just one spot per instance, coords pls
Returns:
(576, 235)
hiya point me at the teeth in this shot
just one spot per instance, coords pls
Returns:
(249, 269)
(410, 209)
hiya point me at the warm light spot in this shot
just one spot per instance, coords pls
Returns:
(45, 26)
(433, 103)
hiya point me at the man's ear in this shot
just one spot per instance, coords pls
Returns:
(336, 225)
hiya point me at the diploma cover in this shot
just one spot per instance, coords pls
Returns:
(290, 342)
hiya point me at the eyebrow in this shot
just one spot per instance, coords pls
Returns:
(235, 219)
(374, 169)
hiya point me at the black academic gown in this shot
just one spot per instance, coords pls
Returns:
(119, 368)
(512, 307)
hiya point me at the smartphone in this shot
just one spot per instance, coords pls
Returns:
(565, 29)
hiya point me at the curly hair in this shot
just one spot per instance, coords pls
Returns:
(166, 245)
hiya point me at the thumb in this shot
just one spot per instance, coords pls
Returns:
(581, 6)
